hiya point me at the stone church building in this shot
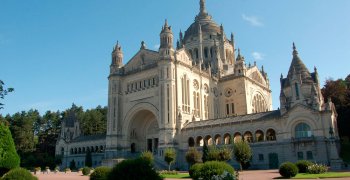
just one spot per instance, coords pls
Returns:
(202, 92)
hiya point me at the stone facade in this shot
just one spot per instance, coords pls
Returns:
(203, 92)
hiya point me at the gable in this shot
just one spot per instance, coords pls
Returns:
(255, 75)
(143, 57)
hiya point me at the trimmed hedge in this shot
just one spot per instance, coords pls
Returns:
(288, 170)
(195, 171)
(210, 169)
(134, 169)
(19, 174)
(302, 165)
(86, 171)
(9, 158)
(100, 173)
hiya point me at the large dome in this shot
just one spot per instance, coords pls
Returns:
(208, 27)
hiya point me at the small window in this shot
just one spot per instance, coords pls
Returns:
(300, 155)
(309, 155)
(227, 109)
(261, 157)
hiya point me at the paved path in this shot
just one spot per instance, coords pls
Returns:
(245, 175)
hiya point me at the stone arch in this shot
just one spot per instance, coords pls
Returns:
(199, 141)
(271, 135)
(248, 136)
(290, 126)
(227, 138)
(191, 142)
(217, 139)
(208, 140)
(302, 130)
(258, 102)
(237, 137)
(259, 136)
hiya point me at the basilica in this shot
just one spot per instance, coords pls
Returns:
(199, 90)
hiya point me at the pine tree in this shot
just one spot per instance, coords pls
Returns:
(205, 153)
(88, 159)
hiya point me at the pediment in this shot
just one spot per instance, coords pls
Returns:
(142, 58)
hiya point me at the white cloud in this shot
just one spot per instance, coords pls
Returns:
(258, 56)
(253, 20)
(156, 46)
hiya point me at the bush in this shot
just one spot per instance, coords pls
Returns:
(212, 168)
(100, 173)
(86, 171)
(243, 152)
(19, 173)
(147, 156)
(134, 169)
(195, 171)
(302, 165)
(225, 176)
(317, 169)
(9, 158)
(169, 156)
(193, 156)
(288, 170)
(168, 172)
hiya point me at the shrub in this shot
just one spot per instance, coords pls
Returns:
(212, 168)
(86, 171)
(288, 170)
(195, 171)
(72, 165)
(168, 172)
(19, 173)
(225, 176)
(193, 156)
(9, 158)
(147, 156)
(302, 165)
(317, 169)
(67, 170)
(134, 169)
(100, 173)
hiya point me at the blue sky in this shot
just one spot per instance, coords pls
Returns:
(55, 53)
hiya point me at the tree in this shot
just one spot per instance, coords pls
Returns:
(72, 165)
(4, 92)
(193, 156)
(205, 153)
(88, 159)
(9, 158)
(169, 156)
(242, 152)
(338, 91)
(147, 156)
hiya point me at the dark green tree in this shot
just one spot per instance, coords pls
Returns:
(169, 156)
(72, 165)
(88, 159)
(205, 153)
(242, 152)
(9, 158)
(4, 92)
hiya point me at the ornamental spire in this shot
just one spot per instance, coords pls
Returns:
(295, 52)
(202, 7)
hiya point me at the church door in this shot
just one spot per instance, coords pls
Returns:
(273, 161)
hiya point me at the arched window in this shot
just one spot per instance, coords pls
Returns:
(199, 141)
(206, 52)
(197, 54)
(185, 85)
(248, 136)
(191, 54)
(302, 130)
(271, 135)
(217, 139)
(190, 142)
(258, 104)
(296, 90)
(79, 151)
(62, 151)
(259, 136)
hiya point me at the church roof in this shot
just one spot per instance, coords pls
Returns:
(298, 68)
(229, 120)
(90, 138)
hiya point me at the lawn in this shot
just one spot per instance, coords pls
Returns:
(176, 176)
(325, 175)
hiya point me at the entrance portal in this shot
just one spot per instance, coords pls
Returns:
(144, 132)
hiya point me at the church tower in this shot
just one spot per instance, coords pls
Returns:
(166, 48)
(300, 86)
(117, 58)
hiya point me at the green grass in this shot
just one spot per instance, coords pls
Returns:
(325, 175)
(176, 176)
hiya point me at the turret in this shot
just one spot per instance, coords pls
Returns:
(240, 68)
(117, 56)
(166, 41)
